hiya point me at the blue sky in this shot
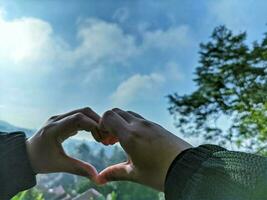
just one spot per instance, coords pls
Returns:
(56, 56)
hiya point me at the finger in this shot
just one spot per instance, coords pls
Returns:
(72, 124)
(97, 136)
(107, 138)
(78, 167)
(118, 172)
(110, 140)
(86, 111)
(136, 114)
(125, 115)
(114, 123)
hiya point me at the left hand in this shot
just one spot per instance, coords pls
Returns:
(150, 149)
(45, 151)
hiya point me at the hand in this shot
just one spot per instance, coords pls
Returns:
(45, 151)
(150, 149)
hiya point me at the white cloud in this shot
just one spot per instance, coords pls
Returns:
(137, 87)
(121, 14)
(172, 71)
(30, 42)
(29, 46)
(174, 37)
(229, 12)
(27, 39)
(94, 75)
(27, 42)
(104, 42)
(239, 15)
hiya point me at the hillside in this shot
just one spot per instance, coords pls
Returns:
(7, 127)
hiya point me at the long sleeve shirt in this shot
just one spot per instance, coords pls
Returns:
(210, 172)
(207, 172)
(16, 173)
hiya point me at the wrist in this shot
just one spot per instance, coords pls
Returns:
(175, 147)
(170, 147)
(30, 153)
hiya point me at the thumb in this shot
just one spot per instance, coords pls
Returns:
(78, 167)
(114, 123)
(119, 172)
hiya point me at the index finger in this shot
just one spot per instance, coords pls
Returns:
(115, 124)
(86, 111)
(70, 125)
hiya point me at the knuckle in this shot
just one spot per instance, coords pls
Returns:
(108, 114)
(131, 112)
(53, 117)
(134, 133)
(87, 110)
(96, 136)
(131, 138)
(117, 110)
(46, 130)
(130, 142)
(145, 124)
(47, 127)
(78, 117)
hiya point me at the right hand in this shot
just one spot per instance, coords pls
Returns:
(150, 149)
(45, 150)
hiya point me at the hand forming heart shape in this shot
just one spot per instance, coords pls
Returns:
(150, 147)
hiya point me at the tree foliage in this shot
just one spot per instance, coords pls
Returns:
(229, 104)
(29, 195)
(121, 190)
(75, 185)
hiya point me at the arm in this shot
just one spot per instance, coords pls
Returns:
(165, 162)
(21, 159)
(16, 173)
(151, 149)
(212, 172)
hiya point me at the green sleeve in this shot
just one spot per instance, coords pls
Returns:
(16, 173)
(210, 172)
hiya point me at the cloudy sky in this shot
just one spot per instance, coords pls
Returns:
(58, 55)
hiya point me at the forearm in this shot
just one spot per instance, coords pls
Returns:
(175, 146)
(16, 173)
(211, 172)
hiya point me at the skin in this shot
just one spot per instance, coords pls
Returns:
(45, 151)
(150, 147)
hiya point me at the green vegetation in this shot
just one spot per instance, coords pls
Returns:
(231, 82)
(122, 190)
(231, 85)
(29, 195)
(75, 185)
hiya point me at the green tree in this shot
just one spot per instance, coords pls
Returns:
(121, 190)
(101, 159)
(231, 82)
(112, 196)
(85, 184)
(118, 155)
(83, 152)
(131, 191)
(29, 195)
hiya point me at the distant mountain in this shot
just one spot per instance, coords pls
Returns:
(70, 145)
(7, 127)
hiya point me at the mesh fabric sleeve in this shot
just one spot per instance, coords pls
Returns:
(16, 173)
(210, 172)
